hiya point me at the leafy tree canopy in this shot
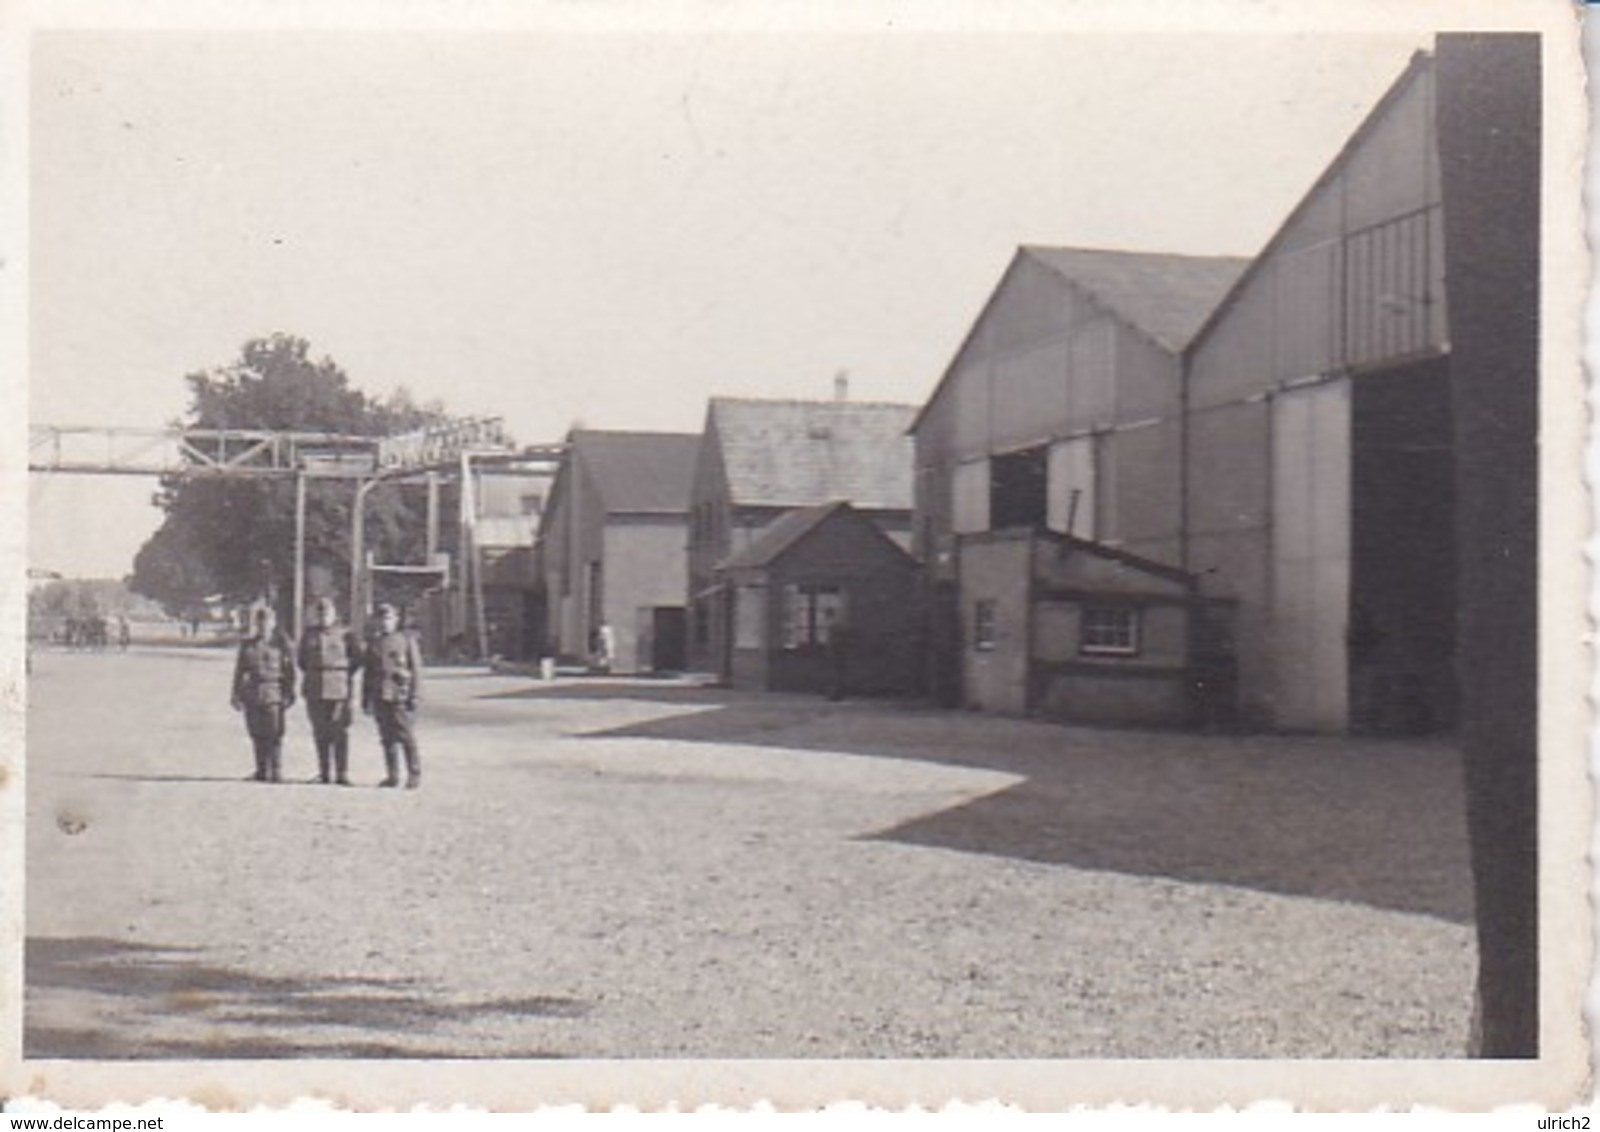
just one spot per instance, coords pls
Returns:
(235, 537)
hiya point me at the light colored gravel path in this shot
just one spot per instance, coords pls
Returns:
(606, 869)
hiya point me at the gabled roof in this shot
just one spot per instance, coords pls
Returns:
(788, 529)
(1168, 297)
(1421, 63)
(638, 472)
(799, 453)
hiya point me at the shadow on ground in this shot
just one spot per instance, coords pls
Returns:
(664, 691)
(245, 1015)
(118, 777)
(1379, 823)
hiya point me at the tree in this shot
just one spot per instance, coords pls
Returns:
(234, 538)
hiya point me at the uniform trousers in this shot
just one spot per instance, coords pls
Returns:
(396, 733)
(265, 724)
(330, 731)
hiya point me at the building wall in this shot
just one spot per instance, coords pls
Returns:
(995, 571)
(880, 586)
(1044, 365)
(1141, 474)
(1310, 569)
(708, 543)
(878, 582)
(750, 625)
(743, 524)
(1353, 280)
(1150, 689)
(601, 568)
(934, 455)
(645, 567)
(571, 537)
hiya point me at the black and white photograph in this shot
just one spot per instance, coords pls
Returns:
(743, 553)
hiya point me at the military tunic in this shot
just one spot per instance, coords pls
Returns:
(391, 681)
(329, 658)
(263, 688)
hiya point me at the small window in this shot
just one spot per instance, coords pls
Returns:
(1109, 630)
(983, 625)
(809, 614)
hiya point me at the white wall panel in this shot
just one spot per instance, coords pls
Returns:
(1030, 393)
(1092, 393)
(971, 503)
(972, 407)
(1071, 469)
(1310, 556)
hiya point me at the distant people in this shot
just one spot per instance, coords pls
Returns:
(605, 646)
(329, 656)
(263, 688)
(124, 633)
(391, 681)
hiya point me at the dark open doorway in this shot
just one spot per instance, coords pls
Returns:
(1018, 489)
(1403, 552)
(669, 638)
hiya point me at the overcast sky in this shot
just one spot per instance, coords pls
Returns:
(610, 227)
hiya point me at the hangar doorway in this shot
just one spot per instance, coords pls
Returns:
(1402, 616)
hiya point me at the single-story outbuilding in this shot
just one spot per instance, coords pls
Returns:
(822, 601)
(1071, 629)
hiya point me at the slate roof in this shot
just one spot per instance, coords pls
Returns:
(1169, 297)
(639, 472)
(800, 453)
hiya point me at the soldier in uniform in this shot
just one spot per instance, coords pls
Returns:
(329, 657)
(391, 679)
(263, 688)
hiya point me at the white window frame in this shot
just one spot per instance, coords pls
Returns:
(805, 613)
(1108, 629)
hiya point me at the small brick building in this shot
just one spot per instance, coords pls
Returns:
(821, 601)
(1058, 626)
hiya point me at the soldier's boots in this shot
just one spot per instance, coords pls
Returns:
(323, 766)
(391, 764)
(275, 765)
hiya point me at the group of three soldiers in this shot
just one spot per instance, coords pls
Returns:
(329, 658)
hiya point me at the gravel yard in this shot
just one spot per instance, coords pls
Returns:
(630, 869)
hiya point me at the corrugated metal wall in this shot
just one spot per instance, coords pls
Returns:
(1354, 280)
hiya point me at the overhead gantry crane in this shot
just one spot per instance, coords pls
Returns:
(427, 455)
